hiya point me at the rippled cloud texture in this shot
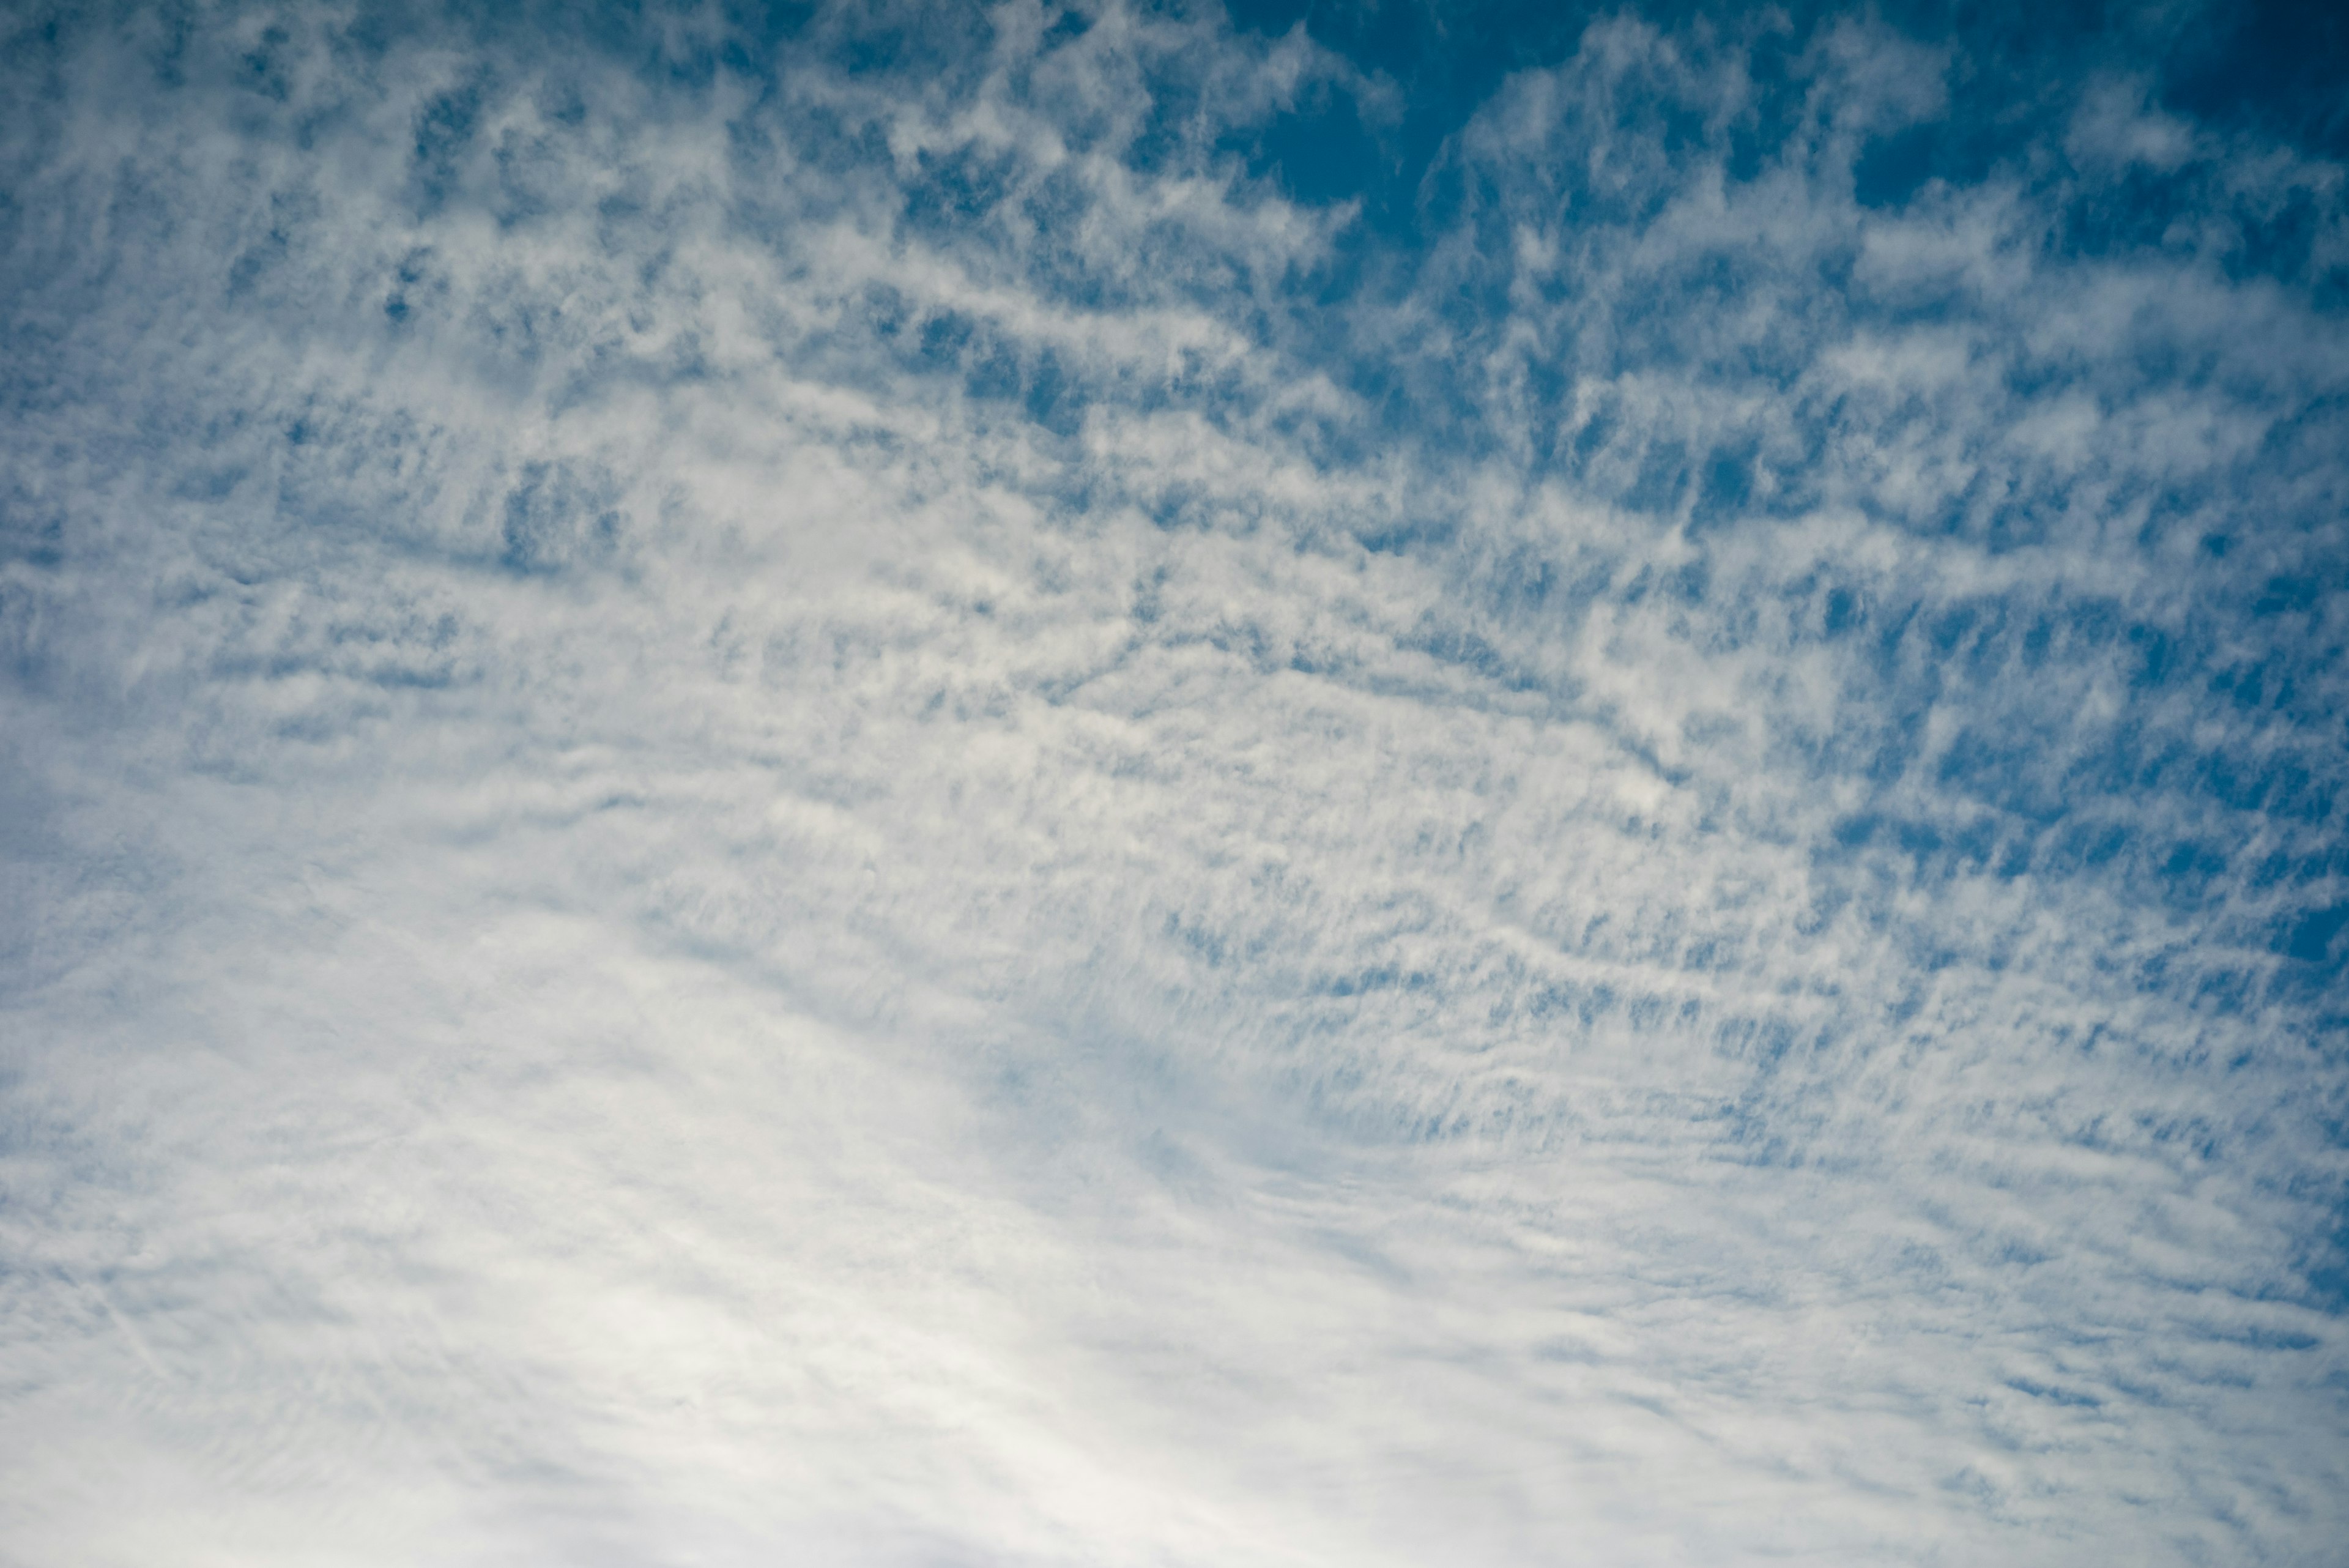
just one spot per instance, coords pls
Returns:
(1126, 787)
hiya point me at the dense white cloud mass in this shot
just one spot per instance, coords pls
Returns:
(827, 796)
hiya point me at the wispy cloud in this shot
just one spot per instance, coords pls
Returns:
(856, 792)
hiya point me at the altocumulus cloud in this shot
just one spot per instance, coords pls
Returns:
(1132, 786)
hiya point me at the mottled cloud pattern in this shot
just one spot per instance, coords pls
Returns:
(1134, 786)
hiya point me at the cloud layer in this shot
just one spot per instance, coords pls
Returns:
(900, 790)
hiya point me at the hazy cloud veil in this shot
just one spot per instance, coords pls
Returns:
(1129, 785)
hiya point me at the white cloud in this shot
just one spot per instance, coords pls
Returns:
(670, 915)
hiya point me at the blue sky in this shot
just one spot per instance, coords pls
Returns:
(1336, 785)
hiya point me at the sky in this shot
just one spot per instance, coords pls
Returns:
(1357, 783)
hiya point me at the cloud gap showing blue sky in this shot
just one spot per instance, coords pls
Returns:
(1319, 784)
